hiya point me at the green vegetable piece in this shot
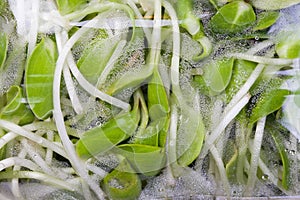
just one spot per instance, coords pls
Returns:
(242, 69)
(95, 57)
(150, 135)
(231, 167)
(266, 19)
(288, 44)
(2, 101)
(3, 48)
(158, 103)
(218, 3)
(3, 149)
(268, 102)
(145, 159)
(217, 75)
(162, 135)
(273, 4)
(3, 5)
(185, 12)
(67, 6)
(39, 78)
(190, 136)
(130, 79)
(144, 113)
(285, 182)
(16, 110)
(206, 46)
(233, 17)
(122, 183)
(14, 98)
(158, 110)
(154, 133)
(103, 138)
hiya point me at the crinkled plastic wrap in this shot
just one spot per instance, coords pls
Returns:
(142, 99)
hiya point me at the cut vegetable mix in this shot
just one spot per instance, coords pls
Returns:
(142, 99)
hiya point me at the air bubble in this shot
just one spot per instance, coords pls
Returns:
(286, 150)
(265, 177)
(98, 123)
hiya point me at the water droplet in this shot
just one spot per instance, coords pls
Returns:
(286, 150)
(265, 177)
(256, 38)
(89, 127)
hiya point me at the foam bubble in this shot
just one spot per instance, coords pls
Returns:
(189, 184)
